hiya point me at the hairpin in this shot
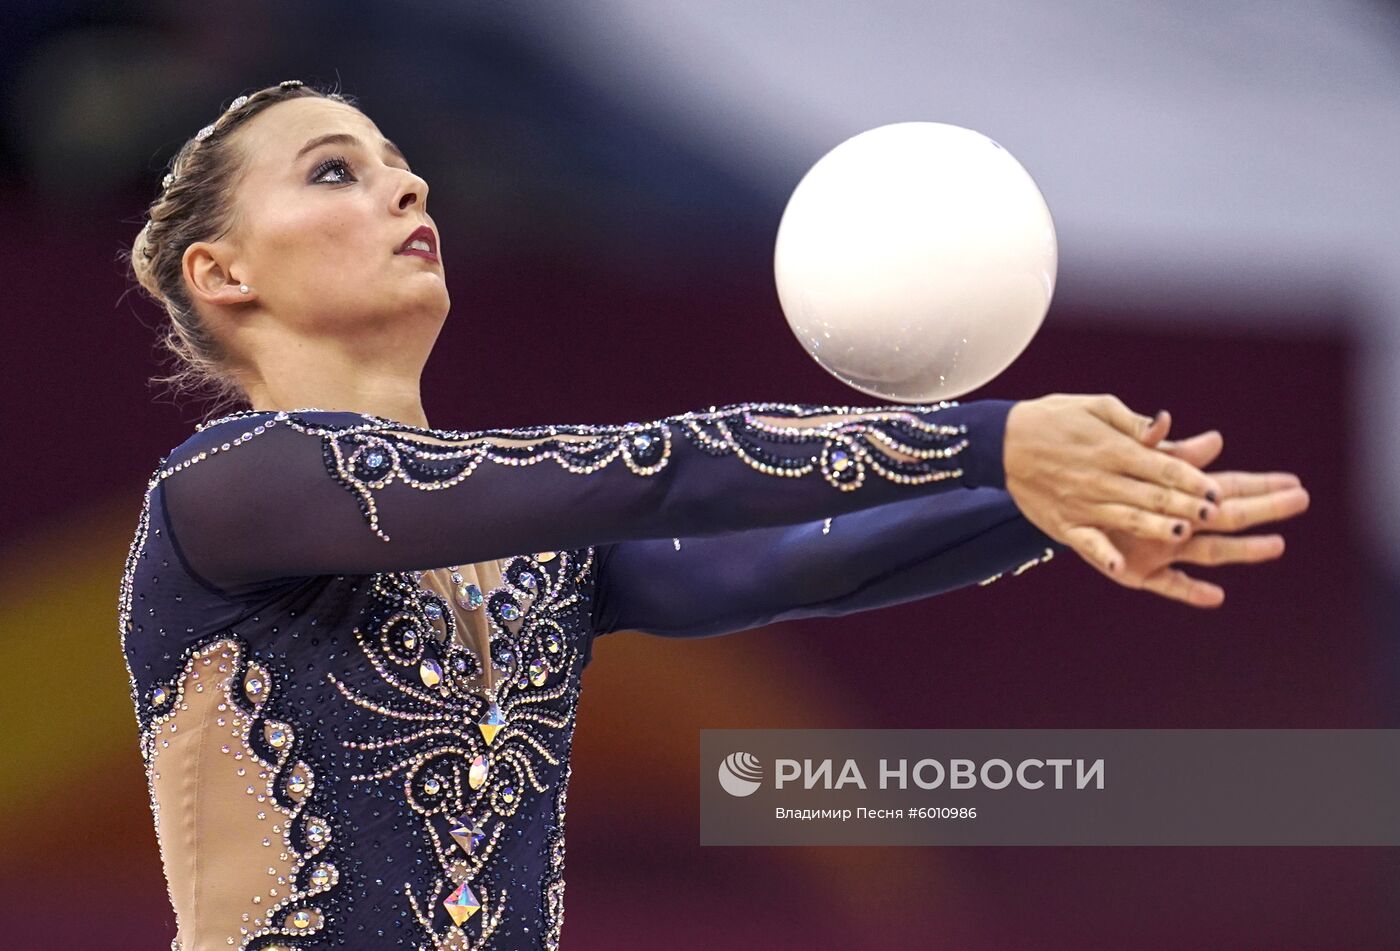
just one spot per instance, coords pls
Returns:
(208, 130)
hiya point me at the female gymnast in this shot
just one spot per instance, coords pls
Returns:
(355, 641)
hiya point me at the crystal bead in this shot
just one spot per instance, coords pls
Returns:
(321, 876)
(430, 671)
(301, 919)
(159, 696)
(410, 641)
(539, 673)
(433, 610)
(469, 596)
(432, 786)
(277, 737)
(508, 794)
(553, 643)
(545, 556)
(375, 459)
(527, 581)
(297, 783)
(476, 776)
(461, 904)
(492, 722)
(467, 834)
(510, 611)
(316, 832)
(840, 460)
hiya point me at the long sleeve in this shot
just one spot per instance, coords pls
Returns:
(268, 495)
(902, 551)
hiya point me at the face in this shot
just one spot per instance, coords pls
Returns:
(319, 230)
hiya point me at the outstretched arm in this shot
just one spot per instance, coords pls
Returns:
(902, 551)
(275, 495)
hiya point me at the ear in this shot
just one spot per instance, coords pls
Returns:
(208, 270)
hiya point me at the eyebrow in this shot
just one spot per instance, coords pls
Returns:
(344, 138)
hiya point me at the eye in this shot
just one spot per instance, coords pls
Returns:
(337, 164)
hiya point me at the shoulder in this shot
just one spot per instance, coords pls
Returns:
(225, 433)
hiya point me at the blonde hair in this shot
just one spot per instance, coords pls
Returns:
(196, 204)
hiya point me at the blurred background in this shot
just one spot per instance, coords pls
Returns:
(608, 176)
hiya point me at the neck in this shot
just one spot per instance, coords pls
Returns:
(329, 378)
(406, 409)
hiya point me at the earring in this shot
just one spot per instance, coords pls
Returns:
(242, 288)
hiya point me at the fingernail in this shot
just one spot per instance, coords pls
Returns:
(1205, 513)
(1211, 496)
(1178, 528)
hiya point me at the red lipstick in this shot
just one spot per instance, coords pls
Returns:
(423, 235)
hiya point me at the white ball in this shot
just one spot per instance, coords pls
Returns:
(916, 261)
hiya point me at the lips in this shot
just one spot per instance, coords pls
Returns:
(421, 243)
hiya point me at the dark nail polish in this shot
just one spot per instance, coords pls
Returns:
(1212, 496)
(1205, 513)
(1178, 528)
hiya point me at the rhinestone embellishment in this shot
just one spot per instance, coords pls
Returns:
(430, 672)
(461, 904)
(492, 723)
(469, 597)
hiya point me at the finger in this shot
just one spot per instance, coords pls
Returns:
(1160, 468)
(1212, 549)
(1172, 504)
(1179, 586)
(1156, 431)
(1139, 522)
(1094, 547)
(1255, 483)
(1199, 450)
(1247, 512)
(1111, 410)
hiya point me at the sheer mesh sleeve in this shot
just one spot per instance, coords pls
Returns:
(902, 551)
(268, 495)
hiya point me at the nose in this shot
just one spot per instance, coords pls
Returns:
(412, 190)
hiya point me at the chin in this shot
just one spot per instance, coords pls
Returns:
(427, 302)
(444, 304)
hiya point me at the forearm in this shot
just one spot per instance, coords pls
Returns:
(854, 562)
(973, 537)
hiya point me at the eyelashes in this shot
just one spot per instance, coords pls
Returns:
(331, 164)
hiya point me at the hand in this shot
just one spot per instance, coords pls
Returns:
(1249, 499)
(1077, 467)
